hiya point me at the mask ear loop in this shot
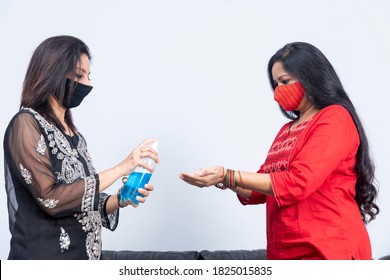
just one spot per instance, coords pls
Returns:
(70, 86)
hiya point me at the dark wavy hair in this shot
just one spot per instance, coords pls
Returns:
(52, 61)
(308, 64)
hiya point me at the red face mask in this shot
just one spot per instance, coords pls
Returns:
(289, 96)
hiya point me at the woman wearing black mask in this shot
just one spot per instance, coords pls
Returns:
(56, 202)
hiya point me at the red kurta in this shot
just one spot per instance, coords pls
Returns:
(313, 214)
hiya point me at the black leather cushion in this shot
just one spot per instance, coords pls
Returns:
(259, 254)
(385, 257)
(149, 255)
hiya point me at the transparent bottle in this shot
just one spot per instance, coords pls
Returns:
(137, 179)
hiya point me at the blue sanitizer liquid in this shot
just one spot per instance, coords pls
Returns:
(135, 181)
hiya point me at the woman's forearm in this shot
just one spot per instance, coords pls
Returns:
(108, 177)
(248, 182)
(112, 204)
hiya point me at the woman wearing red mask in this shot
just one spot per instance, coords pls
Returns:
(317, 179)
(56, 201)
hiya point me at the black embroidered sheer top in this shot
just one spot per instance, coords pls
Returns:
(54, 205)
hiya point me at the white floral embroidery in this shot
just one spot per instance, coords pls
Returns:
(92, 224)
(41, 146)
(25, 174)
(64, 240)
(82, 149)
(89, 194)
(91, 221)
(71, 168)
(49, 203)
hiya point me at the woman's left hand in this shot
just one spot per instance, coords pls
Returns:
(145, 192)
(204, 177)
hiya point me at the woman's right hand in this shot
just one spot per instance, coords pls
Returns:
(136, 158)
(204, 177)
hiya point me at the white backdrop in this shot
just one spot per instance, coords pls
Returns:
(193, 75)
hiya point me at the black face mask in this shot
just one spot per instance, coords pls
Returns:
(80, 91)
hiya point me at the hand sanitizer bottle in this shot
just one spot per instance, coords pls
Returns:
(137, 179)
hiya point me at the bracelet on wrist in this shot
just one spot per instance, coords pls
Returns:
(220, 184)
(118, 195)
(228, 180)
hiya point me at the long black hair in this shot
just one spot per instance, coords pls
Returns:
(308, 64)
(52, 61)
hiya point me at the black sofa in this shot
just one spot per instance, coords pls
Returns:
(259, 254)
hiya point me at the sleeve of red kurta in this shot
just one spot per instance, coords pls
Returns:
(30, 157)
(255, 198)
(329, 140)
